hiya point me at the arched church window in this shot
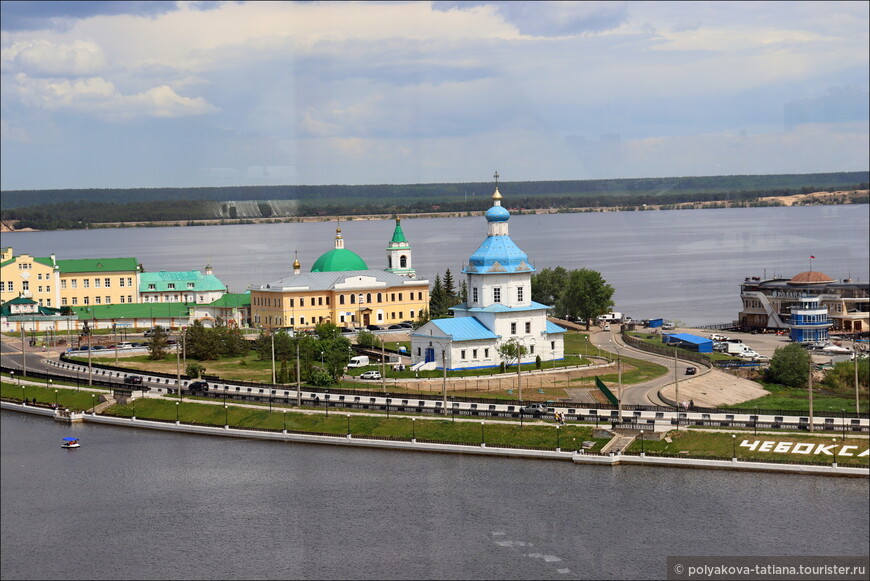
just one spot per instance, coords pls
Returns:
(403, 261)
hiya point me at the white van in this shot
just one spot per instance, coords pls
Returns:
(359, 361)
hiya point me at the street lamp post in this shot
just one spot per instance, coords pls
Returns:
(226, 416)
(55, 398)
(619, 371)
(482, 438)
(176, 411)
(348, 425)
(843, 421)
(273, 356)
(835, 450)
(413, 429)
(733, 446)
(284, 425)
(558, 443)
(93, 404)
(641, 443)
(359, 303)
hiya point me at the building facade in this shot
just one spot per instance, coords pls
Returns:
(188, 286)
(784, 304)
(98, 281)
(341, 289)
(29, 277)
(499, 309)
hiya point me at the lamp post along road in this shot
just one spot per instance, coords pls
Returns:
(619, 373)
(444, 365)
(273, 357)
(298, 376)
(810, 389)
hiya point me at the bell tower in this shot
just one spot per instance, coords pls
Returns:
(399, 253)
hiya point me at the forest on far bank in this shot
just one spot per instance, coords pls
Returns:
(75, 209)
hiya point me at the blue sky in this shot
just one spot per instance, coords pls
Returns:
(184, 94)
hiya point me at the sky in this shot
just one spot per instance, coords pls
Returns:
(134, 94)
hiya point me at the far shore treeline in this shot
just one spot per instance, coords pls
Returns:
(88, 208)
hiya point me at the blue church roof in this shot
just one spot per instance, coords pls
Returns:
(464, 329)
(554, 328)
(498, 254)
(498, 308)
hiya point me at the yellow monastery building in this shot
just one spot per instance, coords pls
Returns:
(343, 290)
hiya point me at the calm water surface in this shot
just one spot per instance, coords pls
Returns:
(682, 265)
(137, 504)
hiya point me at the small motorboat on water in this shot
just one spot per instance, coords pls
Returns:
(70, 443)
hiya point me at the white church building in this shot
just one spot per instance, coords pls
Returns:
(499, 309)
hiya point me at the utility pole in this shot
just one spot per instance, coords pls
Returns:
(298, 375)
(810, 388)
(444, 364)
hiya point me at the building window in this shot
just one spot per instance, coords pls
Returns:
(107, 282)
(86, 282)
(39, 289)
(552, 345)
(171, 286)
(10, 286)
(513, 328)
(122, 299)
(152, 287)
(532, 348)
(75, 301)
(96, 283)
(380, 298)
(393, 297)
(86, 301)
(319, 301)
(48, 289)
(108, 300)
(74, 283)
(129, 298)
(520, 294)
(121, 282)
(400, 297)
(474, 353)
(369, 298)
(486, 353)
(96, 300)
(412, 314)
(496, 294)
(528, 327)
(341, 299)
(474, 294)
(39, 276)
(25, 285)
(420, 296)
(301, 301)
(352, 299)
(129, 281)
(190, 285)
(462, 354)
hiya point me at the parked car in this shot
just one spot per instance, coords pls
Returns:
(98, 347)
(198, 385)
(345, 330)
(133, 380)
(373, 328)
(690, 370)
(535, 409)
(125, 345)
(371, 375)
(395, 327)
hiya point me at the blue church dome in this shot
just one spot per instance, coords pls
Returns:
(498, 254)
(497, 214)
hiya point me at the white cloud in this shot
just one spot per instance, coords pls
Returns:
(99, 97)
(44, 58)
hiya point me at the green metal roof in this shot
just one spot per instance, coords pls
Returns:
(339, 260)
(398, 235)
(133, 311)
(233, 300)
(181, 279)
(98, 265)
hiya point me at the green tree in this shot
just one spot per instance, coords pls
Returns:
(158, 344)
(548, 284)
(367, 339)
(194, 370)
(789, 366)
(422, 319)
(585, 296)
(842, 375)
(202, 343)
(512, 350)
(437, 299)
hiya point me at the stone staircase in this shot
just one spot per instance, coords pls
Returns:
(619, 443)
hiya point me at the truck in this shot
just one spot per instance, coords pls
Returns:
(359, 361)
(613, 317)
(735, 348)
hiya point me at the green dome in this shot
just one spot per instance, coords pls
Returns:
(338, 260)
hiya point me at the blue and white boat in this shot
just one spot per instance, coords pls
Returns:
(70, 442)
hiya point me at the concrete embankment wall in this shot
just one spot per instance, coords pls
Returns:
(573, 456)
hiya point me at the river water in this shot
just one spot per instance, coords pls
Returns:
(136, 504)
(683, 265)
(139, 504)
